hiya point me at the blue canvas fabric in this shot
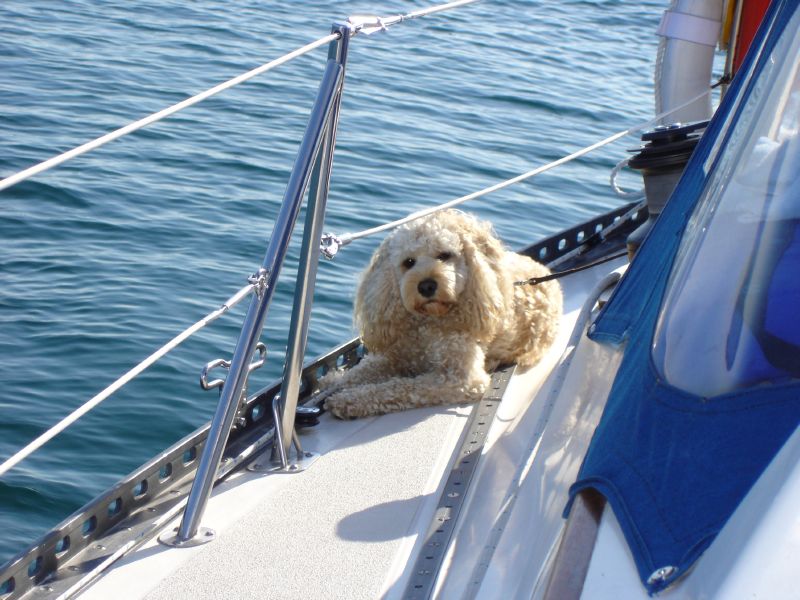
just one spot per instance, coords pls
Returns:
(673, 465)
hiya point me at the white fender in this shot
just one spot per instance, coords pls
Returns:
(689, 32)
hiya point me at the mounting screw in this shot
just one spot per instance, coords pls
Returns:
(661, 575)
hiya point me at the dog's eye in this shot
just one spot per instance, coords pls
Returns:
(445, 256)
(409, 262)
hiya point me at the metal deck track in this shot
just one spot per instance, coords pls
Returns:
(437, 539)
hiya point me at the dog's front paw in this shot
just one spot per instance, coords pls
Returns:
(331, 380)
(344, 407)
(480, 384)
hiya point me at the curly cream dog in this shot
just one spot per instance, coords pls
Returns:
(437, 308)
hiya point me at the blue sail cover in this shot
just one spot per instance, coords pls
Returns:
(708, 390)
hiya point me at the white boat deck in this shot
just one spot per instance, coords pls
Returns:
(349, 526)
(341, 522)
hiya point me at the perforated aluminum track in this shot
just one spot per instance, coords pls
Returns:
(437, 539)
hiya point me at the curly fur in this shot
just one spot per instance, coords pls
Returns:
(437, 309)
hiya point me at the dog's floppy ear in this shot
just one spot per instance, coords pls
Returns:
(378, 302)
(486, 289)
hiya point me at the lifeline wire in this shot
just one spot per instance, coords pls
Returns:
(379, 22)
(345, 239)
(148, 120)
(434, 9)
(370, 24)
(79, 412)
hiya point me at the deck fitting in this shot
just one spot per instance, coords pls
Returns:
(203, 536)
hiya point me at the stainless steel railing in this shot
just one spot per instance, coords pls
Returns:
(309, 257)
(312, 165)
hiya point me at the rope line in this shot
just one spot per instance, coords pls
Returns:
(376, 22)
(150, 119)
(97, 399)
(338, 241)
(635, 195)
(370, 24)
(439, 8)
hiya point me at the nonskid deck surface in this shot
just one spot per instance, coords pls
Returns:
(330, 532)
(348, 527)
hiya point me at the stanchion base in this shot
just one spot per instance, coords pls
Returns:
(203, 536)
(296, 465)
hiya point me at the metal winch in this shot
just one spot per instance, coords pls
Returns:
(661, 160)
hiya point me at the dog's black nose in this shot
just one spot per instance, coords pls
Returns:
(427, 287)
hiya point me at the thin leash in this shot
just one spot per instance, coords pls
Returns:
(564, 273)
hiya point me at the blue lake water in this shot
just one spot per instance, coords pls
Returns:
(108, 256)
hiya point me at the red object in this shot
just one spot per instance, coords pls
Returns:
(752, 14)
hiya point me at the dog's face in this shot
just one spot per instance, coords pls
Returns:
(446, 267)
(430, 267)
